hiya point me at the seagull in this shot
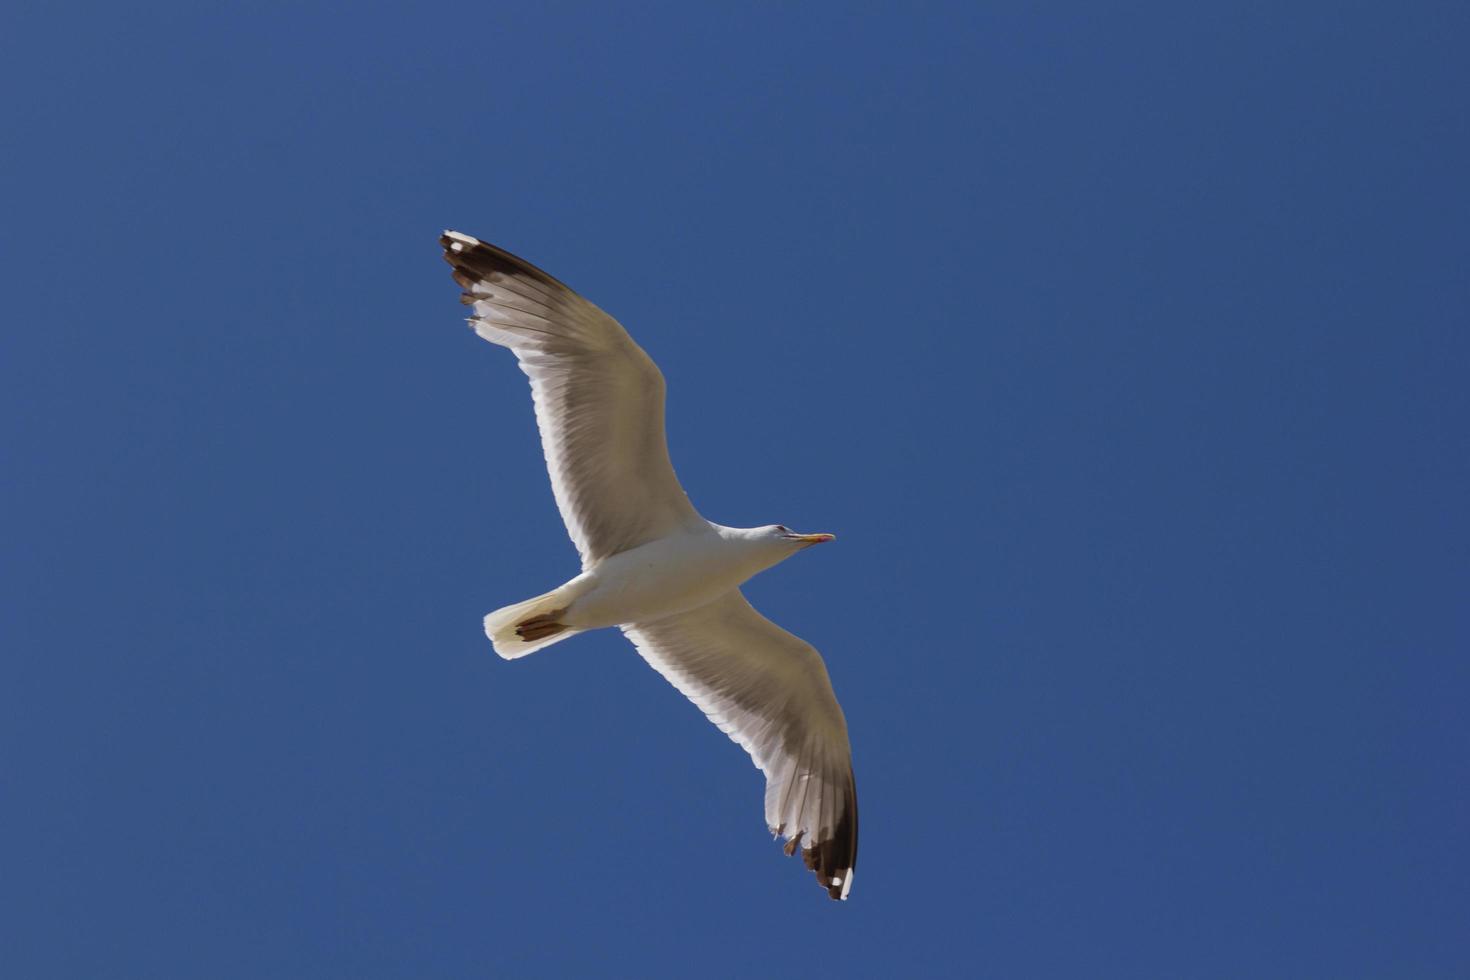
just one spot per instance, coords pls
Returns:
(651, 565)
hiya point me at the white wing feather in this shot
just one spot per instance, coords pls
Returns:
(599, 400)
(768, 690)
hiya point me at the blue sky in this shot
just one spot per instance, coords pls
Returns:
(1125, 351)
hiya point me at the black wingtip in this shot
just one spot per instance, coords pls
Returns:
(834, 859)
(474, 260)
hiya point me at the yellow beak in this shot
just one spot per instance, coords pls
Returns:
(814, 538)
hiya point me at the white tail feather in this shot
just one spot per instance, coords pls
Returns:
(500, 625)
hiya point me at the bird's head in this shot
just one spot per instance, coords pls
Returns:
(772, 544)
(783, 535)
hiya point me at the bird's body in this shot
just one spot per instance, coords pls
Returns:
(667, 576)
(655, 568)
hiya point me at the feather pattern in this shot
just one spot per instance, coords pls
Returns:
(599, 400)
(769, 691)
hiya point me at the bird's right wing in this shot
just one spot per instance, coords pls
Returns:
(768, 690)
(599, 400)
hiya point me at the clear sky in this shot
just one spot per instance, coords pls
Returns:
(1124, 350)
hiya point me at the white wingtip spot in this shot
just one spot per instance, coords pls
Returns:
(458, 241)
(846, 885)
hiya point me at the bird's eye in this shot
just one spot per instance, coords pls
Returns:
(783, 528)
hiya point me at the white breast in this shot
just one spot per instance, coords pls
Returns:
(658, 579)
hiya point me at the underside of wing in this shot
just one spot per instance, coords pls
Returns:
(769, 691)
(599, 400)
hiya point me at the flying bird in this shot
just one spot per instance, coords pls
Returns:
(651, 565)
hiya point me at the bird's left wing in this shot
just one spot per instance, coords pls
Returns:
(599, 400)
(768, 690)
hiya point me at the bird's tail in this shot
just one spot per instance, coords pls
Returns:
(528, 626)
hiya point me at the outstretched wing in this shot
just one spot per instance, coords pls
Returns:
(768, 690)
(599, 400)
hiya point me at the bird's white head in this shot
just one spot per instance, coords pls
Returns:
(784, 535)
(762, 547)
(778, 542)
